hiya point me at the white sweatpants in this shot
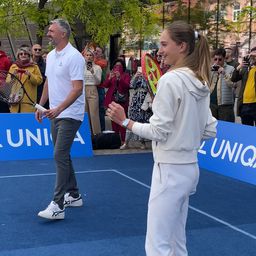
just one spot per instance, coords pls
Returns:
(168, 208)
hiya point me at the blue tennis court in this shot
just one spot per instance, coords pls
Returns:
(222, 215)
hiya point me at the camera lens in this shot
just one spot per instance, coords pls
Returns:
(215, 68)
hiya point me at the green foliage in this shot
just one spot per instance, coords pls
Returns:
(136, 19)
(101, 18)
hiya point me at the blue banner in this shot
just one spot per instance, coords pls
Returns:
(232, 153)
(22, 137)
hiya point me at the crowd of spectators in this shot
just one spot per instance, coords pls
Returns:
(123, 82)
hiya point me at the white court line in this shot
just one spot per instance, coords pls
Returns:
(50, 174)
(195, 209)
(144, 185)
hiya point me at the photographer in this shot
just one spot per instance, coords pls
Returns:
(118, 85)
(222, 97)
(246, 72)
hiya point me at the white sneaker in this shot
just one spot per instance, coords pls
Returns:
(142, 146)
(52, 212)
(70, 201)
(124, 146)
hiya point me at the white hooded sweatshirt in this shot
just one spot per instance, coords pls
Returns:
(181, 118)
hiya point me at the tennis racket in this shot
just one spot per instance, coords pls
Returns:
(151, 71)
(12, 91)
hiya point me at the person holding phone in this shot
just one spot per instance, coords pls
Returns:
(118, 85)
(222, 96)
(246, 73)
(92, 78)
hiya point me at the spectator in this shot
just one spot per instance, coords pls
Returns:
(118, 84)
(163, 66)
(92, 80)
(38, 59)
(246, 104)
(29, 74)
(103, 63)
(44, 54)
(138, 110)
(5, 64)
(232, 62)
(132, 66)
(229, 58)
(222, 96)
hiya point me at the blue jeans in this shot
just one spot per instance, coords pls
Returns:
(63, 133)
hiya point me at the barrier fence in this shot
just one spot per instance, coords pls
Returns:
(22, 138)
(232, 153)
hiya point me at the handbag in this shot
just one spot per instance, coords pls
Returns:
(119, 97)
(109, 140)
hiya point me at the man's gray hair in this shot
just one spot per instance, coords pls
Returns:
(64, 25)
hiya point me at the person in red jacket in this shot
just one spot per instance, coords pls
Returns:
(118, 84)
(5, 64)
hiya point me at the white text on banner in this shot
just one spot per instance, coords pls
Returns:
(232, 152)
(22, 138)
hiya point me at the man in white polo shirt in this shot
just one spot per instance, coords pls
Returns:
(64, 86)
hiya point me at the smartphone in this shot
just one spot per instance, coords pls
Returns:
(215, 67)
(246, 59)
(139, 69)
(89, 65)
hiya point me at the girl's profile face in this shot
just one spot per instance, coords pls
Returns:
(169, 50)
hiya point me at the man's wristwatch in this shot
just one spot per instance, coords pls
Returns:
(125, 122)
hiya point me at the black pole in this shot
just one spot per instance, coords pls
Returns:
(250, 27)
(140, 42)
(217, 25)
(189, 9)
(163, 14)
(11, 44)
(26, 25)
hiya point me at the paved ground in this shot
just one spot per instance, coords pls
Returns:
(134, 148)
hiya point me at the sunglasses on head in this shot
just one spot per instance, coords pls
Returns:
(219, 59)
(37, 50)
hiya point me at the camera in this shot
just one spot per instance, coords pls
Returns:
(89, 65)
(215, 67)
(246, 59)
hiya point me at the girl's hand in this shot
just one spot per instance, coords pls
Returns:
(116, 113)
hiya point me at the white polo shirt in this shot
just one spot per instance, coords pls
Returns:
(63, 67)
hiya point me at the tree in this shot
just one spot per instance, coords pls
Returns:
(100, 18)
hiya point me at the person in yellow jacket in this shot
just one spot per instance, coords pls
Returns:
(29, 74)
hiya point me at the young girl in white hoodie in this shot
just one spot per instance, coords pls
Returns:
(181, 119)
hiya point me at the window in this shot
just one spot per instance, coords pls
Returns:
(222, 12)
(236, 11)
